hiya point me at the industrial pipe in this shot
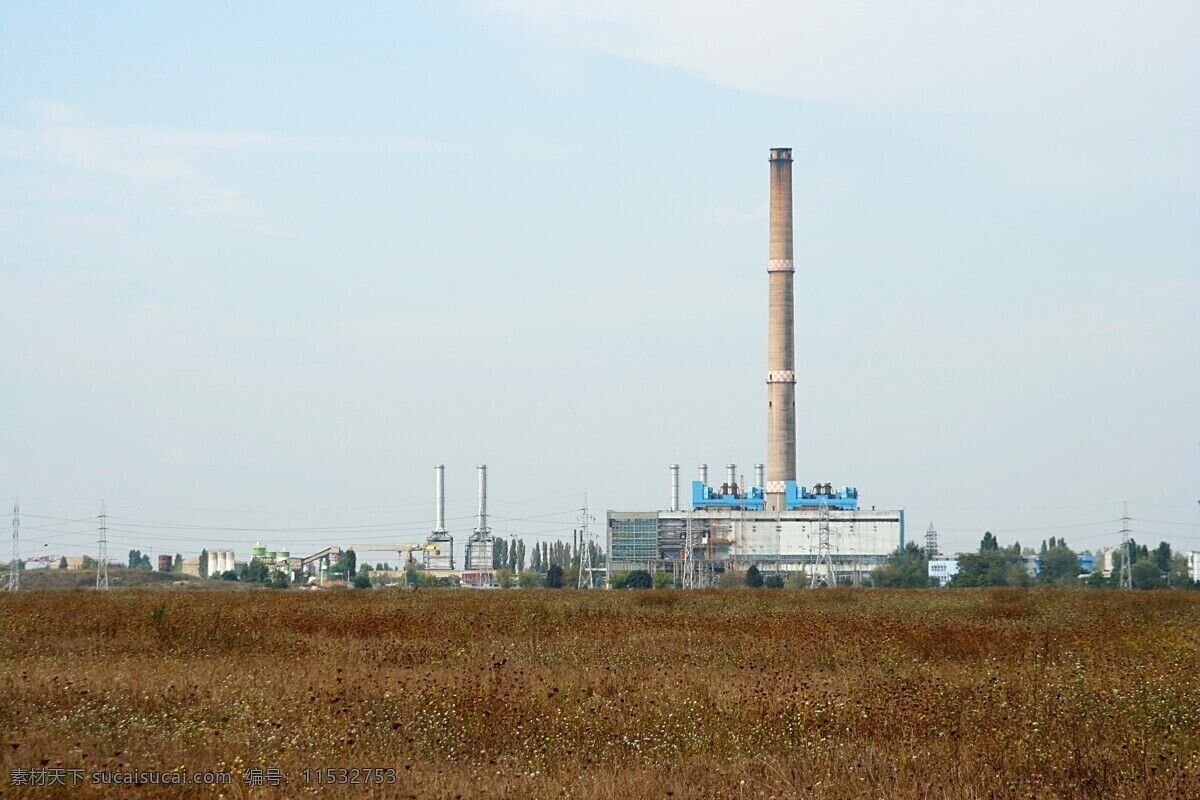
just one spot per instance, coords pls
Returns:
(674, 487)
(440, 507)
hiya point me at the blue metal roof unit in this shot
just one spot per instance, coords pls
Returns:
(754, 498)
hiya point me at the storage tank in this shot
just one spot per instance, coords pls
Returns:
(258, 551)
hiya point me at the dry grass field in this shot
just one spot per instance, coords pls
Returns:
(656, 694)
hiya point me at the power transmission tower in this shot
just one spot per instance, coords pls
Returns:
(585, 548)
(1126, 579)
(931, 543)
(13, 584)
(689, 560)
(102, 560)
(823, 574)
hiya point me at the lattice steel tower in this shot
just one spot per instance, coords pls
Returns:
(1126, 579)
(823, 573)
(931, 543)
(689, 558)
(585, 548)
(13, 583)
(102, 559)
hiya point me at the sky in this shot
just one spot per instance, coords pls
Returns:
(265, 264)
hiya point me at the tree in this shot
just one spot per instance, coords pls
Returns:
(906, 568)
(255, 572)
(228, 575)
(988, 543)
(991, 567)
(664, 580)
(504, 577)
(1060, 565)
(279, 580)
(639, 579)
(774, 581)
(362, 579)
(203, 563)
(1145, 574)
(529, 580)
(87, 563)
(62, 563)
(1162, 557)
(535, 563)
(554, 577)
(177, 564)
(754, 578)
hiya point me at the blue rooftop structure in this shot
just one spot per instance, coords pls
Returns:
(754, 498)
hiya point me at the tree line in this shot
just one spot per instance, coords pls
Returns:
(996, 565)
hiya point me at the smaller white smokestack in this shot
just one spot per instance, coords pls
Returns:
(482, 497)
(731, 474)
(674, 487)
(760, 475)
(440, 473)
(704, 474)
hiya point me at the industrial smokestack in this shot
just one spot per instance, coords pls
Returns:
(674, 487)
(440, 502)
(731, 475)
(759, 472)
(704, 474)
(482, 497)
(781, 364)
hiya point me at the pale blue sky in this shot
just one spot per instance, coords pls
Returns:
(284, 258)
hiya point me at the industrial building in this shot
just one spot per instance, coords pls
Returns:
(776, 524)
(439, 556)
(477, 566)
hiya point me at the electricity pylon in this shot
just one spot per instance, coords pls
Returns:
(102, 559)
(823, 573)
(585, 548)
(13, 583)
(1126, 579)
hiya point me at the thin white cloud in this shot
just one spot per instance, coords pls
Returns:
(1089, 83)
(141, 163)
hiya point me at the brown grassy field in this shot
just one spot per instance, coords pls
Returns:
(662, 694)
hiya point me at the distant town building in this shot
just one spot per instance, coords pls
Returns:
(943, 569)
(1193, 565)
(164, 563)
(1107, 564)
